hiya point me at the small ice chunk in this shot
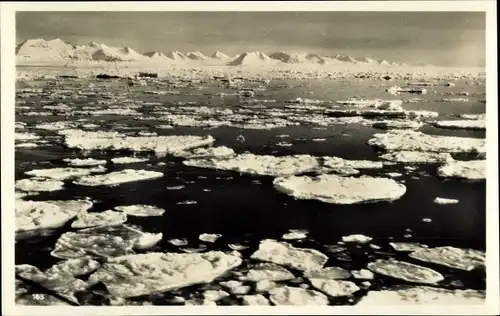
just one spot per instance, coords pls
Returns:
(118, 177)
(426, 220)
(140, 210)
(269, 272)
(416, 157)
(178, 242)
(26, 145)
(394, 174)
(362, 274)
(148, 241)
(462, 124)
(357, 238)
(188, 202)
(440, 200)
(336, 189)
(286, 255)
(471, 169)
(335, 288)
(237, 247)
(405, 271)
(39, 185)
(236, 287)
(457, 258)
(85, 220)
(287, 295)
(294, 235)
(209, 237)
(334, 273)
(176, 187)
(128, 160)
(26, 136)
(215, 295)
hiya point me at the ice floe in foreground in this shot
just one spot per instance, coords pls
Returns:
(268, 272)
(287, 295)
(286, 255)
(86, 220)
(115, 141)
(457, 258)
(118, 177)
(37, 215)
(39, 185)
(259, 164)
(140, 210)
(471, 169)
(340, 190)
(60, 278)
(418, 141)
(64, 173)
(416, 157)
(103, 242)
(161, 272)
(405, 271)
(423, 295)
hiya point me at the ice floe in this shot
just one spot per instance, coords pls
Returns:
(268, 272)
(405, 271)
(440, 200)
(60, 278)
(416, 157)
(115, 141)
(236, 287)
(474, 116)
(99, 242)
(161, 272)
(176, 187)
(84, 162)
(118, 177)
(417, 141)
(362, 274)
(210, 152)
(287, 295)
(26, 136)
(259, 164)
(256, 300)
(457, 258)
(39, 185)
(397, 124)
(26, 145)
(286, 255)
(334, 288)
(336, 162)
(215, 295)
(423, 295)
(37, 215)
(406, 246)
(128, 160)
(462, 124)
(209, 237)
(471, 169)
(357, 238)
(333, 273)
(86, 220)
(335, 189)
(64, 173)
(178, 242)
(140, 210)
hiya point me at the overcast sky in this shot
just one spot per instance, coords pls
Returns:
(441, 38)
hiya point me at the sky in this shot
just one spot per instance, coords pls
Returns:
(439, 38)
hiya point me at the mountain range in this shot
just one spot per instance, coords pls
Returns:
(42, 51)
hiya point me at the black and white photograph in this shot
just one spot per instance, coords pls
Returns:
(220, 158)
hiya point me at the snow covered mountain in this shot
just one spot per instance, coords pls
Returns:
(42, 51)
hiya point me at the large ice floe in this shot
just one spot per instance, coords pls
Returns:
(64, 173)
(418, 141)
(284, 254)
(118, 177)
(336, 189)
(62, 277)
(86, 220)
(287, 295)
(210, 152)
(457, 258)
(416, 157)
(142, 274)
(405, 271)
(115, 141)
(37, 215)
(103, 242)
(424, 295)
(471, 169)
(88, 162)
(259, 164)
(462, 124)
(39, 185)
(140, 210)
